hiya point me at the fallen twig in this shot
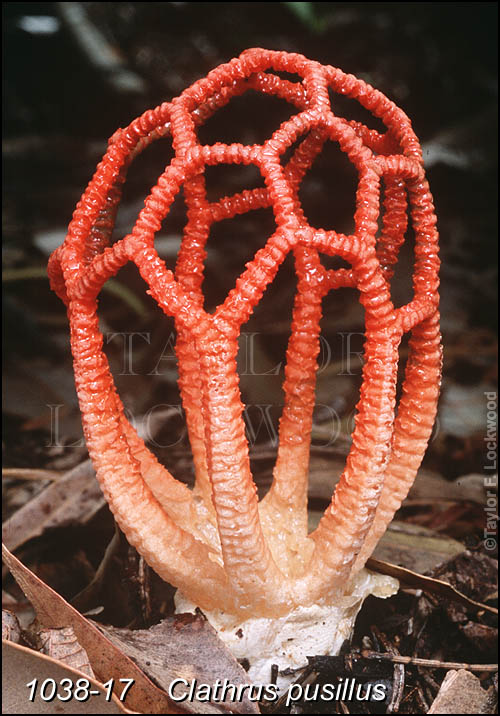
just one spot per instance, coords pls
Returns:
(398, 681)
(28, 473)
(427, 584)
(431, 663)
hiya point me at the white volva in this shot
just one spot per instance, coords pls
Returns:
(307, 631)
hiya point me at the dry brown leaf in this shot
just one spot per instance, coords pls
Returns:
(185, 647)
(20, 607)
(62, 645)
(28, 473)
(427, 584)
(461, 693)
(11, 629)
(21, 666)
(415, 547)
(73, 499)
(107, 661)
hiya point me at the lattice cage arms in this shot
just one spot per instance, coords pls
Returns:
(217, 543)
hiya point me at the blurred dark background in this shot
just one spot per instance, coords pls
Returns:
(75, 72)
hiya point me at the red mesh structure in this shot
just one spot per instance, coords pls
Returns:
(217, 543)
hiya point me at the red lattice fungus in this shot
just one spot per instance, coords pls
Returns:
(217, 543)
